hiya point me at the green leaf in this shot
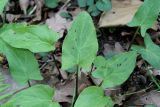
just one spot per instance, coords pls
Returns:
(93, 97)
(51, 3)
(151, 53)
(82, 3)
(80, 45)
(66, 15)
(22, 63)
(114, 71)
(146, 15)
(36, 38)
(90, 2)
(35, 96)
(2, 5)
(150, 105)
(93, 10)
(104, 5)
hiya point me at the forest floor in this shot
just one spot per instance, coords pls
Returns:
(113, 37)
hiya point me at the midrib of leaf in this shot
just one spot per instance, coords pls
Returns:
(78, 44)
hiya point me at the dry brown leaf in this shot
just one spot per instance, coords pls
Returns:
(39, 5)
(64, 92)
(149, 98)
(110, 50)
(121, 13)
(11, 17)
(58, 23)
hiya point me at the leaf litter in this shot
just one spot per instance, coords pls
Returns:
(34, 11)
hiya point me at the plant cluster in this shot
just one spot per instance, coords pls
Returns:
(19, 42)
(95, 7)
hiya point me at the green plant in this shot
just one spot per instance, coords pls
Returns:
(35, 96)
(95, 7)
(51, 3)
(19, 41)
(146, 15)
(2, 5)
(93, 97)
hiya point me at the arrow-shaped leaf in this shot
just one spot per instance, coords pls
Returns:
(115, 70)
(151, 53)
(146, 15)
(80, 45)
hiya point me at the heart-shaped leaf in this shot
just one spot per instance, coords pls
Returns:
(146, 15)
(36, 38)
(151, 53)
(93, 97)
(22, 63)
(80, 45)
(114, 71)
(35, 96)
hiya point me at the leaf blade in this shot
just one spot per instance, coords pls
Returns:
(93, 97)
(115, 67)
(146, 15)
(31, 97)
(36, 38)
(22, 63)
(80, 45)
(151, 53)
(2, 5)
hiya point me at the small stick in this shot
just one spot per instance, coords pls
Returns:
(57, 67)
(134, 36)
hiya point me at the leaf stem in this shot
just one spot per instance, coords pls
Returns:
(134, 36)
(76, 88)
(29, 83)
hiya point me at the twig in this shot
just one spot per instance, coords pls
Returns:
(141, 91)
(134, 36)
(66, 3)
(57, 67)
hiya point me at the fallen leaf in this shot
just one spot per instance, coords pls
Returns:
(110, 50)
(39, 5)
(64, 92)
(58, 23)
(121, 13)
(151, 97)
